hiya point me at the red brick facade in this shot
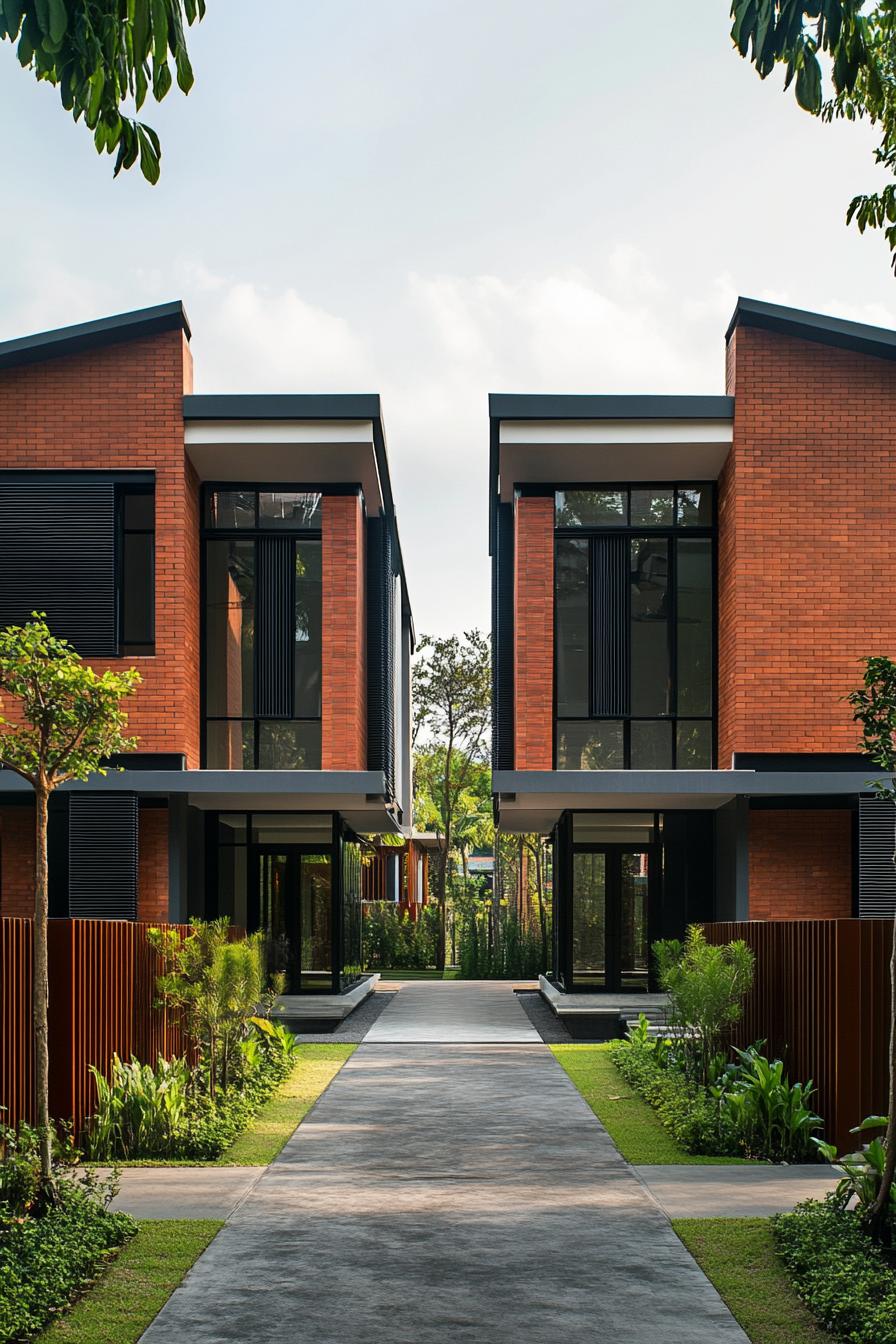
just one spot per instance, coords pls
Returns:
(152, 871)
(800, 864)
(343, 661)
(17, 862)
(533, 626)
(806, 543)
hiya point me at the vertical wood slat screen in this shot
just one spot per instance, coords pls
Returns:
(275, 618)
(877, 873)
(102, 855)
(611, 626)
(820, 1001)
(502, 641)
(380, 651)
(16, 1053)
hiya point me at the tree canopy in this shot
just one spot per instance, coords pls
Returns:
(103, 54)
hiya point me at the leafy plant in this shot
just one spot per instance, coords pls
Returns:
(687, 1110)
(140, 1110)
(19, 1170)
(863, 1172)
(706, 985)
(770, 1115)
(277, 1039)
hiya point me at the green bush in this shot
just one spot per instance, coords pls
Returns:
(706, 985)
(19, 1169)
(139, 1110)
(770, 1115)
(45, 1261)
(395, 942)
(838, 1271)
(693, 1117)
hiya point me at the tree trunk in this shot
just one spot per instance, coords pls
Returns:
(880, 1209)
(41, 995)
(441, 889)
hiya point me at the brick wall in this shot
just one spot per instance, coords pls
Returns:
(120, 408)
(17, 861)
(533, 633)
(152, 866)
(806, 542)
(343, 662)
(800, 864)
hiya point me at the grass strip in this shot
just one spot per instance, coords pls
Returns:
(131, 1292)
(448, 974)
(738, 1257)
(634, 1127)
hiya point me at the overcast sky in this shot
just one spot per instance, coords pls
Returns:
(437, 200)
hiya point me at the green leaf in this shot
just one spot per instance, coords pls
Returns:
(161, 82)
(13, 11)
(808, 83)
(58, 16)
(149, 154)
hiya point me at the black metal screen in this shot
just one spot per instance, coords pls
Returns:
(102, 855)
(275, 653)
(877, 874)
(611, 626)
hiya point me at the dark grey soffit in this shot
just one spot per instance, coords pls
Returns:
(836, 331)
(237, 782)
(283, 406)
(536, 406)
(605, 783)
(92, 335)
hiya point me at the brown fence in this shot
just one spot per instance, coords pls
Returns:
(820, 1000)
(102, 1002)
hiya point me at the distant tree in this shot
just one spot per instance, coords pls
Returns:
(859, 42)
(70, 722)
(101, 54)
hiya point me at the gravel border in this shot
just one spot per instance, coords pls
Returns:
(355, 1027)
(546, 1022)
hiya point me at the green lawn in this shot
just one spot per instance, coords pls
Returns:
(447, 974)
(738, 1256)
(632, 1125)
(136, 1285)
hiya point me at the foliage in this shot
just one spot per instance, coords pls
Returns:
(693, 1117)
(863, 1173)
(494, 943)
(838, 1271)
(19, 1170)
(859, 43)
(770, 1115)
(44, 1261)
(395, 942)
(140, 1109)
(706, 987)
(102, 53)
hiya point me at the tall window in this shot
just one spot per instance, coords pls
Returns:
(136, 570)
(262, 637)
(634, 628)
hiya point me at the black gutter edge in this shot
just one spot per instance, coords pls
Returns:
(94, 335)
(538, 406)
(283, 406)
(835, 331)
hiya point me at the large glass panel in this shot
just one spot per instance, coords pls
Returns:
(278, 911)
(573, 605)
(694, 582)
(286, 744)
(137, 594)
(695, 506)
(232, 876)
(590, 508)
(315, 883)
(351, 911)
(230, 508)
(650, 672)
(651, 744)
(289, 509)
(308, 620)
(594, 745)
(652, 508)
(230, 744)
(634, 950)
(589, 920)
(229, 627)
(139, 510)
(694, 749)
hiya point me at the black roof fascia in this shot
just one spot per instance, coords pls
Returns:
(537, 406)
(836, 331)
(283, 406)
(93, 335)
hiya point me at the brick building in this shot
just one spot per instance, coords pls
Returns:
(242, 552)
(683, 589)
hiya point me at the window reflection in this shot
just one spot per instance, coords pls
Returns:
(650, 625)
(590, 508)
(597, 744)
(573, 603)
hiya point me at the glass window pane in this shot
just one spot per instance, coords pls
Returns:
(137, 594)
(572, 606)
(232, 881)
(308, 617)
(634, 950)
(694, 745)
(229, 627)
(598, 745)
(316, 882)
(229, 744)
(694, 580)
(652, 508)
(695, 506)
(590, 508)
(651, 745)
(139, 510)
(287, 745)
(351, 911)
(589, 920)
(289, 509)
(230, 508)
(650, 679)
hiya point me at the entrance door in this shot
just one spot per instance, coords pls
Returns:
(295, 913)
(611, 888)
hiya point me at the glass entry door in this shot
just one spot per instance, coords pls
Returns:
(295, 905)
(611, 888)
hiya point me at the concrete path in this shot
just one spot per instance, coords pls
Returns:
(735, 1192)
(183, 1192)
(436, 1193)
(468, 1012)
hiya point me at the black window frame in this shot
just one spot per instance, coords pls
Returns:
(123, 491)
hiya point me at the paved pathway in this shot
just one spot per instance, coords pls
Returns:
(756, 1191)
(448, 1191)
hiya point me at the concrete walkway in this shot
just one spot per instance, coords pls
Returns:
(454, 1012)
(755, 1191)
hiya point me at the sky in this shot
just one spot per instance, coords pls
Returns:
(435, 201)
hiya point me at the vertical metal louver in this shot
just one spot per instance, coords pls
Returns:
(275, 653)
(877, 874)
(57, 555)
(381, 651)
(502, 640)
(611, 626)
(102, 856)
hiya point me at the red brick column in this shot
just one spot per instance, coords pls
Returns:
(800, 864)
(343, 664)
(152, 864)
(17, 862)
(533, 633)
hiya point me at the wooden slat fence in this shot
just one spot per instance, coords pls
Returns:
(16, 1055)
(820, 1000)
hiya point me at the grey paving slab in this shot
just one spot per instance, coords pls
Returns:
(735, 1192)
(448, 1193)
(183, 1192)
(473, 1012)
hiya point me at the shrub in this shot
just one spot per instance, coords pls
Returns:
(19, 1170)
(706, 987)
(863, 1172)
(140, 1110)
(769, 1114)
(692, 1116)
(838, 1271)
(394, 941)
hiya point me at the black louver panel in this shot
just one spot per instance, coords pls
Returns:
(57, 554)
(275, 620)
(502, 641)
(611, 613)
(877, 875)
(380, 652)
(102, 856)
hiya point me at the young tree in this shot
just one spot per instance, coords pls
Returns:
(874, 707)
(859, 43)
(452, 698)
(100, 54)
(69, 722)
